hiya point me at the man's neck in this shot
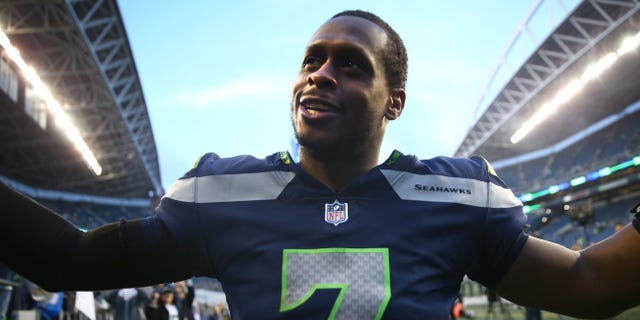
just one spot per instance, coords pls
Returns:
(337, 172)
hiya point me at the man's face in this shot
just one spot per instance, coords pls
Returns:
(341, 94)
(167, 297)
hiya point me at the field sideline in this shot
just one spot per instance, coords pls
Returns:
(517, 313)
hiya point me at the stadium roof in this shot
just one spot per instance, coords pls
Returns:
(586, 35)
(81, 52)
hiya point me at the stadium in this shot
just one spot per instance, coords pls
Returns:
(562, 132)
(561, 129)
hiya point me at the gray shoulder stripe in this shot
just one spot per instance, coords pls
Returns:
(439, 188)
(502, 197)
(181, 190)
(231, 187)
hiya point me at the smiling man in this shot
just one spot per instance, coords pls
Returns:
(342, 100)
(335, 236)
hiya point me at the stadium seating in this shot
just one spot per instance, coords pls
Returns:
(617, 142)
(560, 228)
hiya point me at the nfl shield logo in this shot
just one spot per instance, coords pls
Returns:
(336, 212)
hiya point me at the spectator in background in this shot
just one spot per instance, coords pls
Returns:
(151, 309)
(171, 303)
(103, 311)
(129, 303)
(167, 301)
(69, 305)
(184, 299)
(162, 306)
(220, 312)
(49, 306)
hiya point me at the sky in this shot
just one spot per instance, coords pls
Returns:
(217, 75)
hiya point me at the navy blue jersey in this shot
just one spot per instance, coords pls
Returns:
(393, 244)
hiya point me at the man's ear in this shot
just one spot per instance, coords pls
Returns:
(396, 104)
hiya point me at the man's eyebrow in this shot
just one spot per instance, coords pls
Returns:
(343, 47)
(315, 47)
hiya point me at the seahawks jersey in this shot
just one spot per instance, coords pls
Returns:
(393, 244)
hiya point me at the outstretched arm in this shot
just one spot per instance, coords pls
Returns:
(597, 282)
(50, 251)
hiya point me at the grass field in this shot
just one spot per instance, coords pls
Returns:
(476, 301)
(517, 313)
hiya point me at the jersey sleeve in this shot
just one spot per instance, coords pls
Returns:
(179, 212)
(52, 252)
(503, 235)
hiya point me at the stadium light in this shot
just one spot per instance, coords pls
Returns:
(526, 197)
(568, 92)
(629, 45)
(53, 106)
(578, 181)
(596, 69)
(521, 133)
(604, 171)
(565, 94)
(553, 189)
(547, 109)
(529, 209)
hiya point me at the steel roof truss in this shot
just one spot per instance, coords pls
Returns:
(99, 25)
(570, 41)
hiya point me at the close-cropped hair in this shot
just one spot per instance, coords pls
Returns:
(394, 58)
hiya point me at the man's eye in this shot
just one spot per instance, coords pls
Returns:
(310, 61)
(352, 64)
(355, 65)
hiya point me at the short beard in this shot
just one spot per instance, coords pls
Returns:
(332, 150)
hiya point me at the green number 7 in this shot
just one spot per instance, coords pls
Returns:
(361, 275)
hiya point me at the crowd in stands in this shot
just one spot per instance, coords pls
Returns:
(174, 301)
(618, 142)
(604, 219)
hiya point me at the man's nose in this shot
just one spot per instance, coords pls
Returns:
(323, 77)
